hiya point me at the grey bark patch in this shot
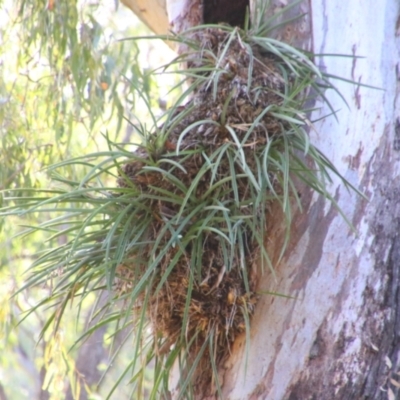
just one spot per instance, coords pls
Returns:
(318, 347)
(319, 226)
(396, 141)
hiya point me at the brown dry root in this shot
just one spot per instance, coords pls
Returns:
(218, 295)
(218, 301)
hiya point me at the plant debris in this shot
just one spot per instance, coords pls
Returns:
(210, 153)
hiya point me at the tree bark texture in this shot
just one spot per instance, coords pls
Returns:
(340, 337)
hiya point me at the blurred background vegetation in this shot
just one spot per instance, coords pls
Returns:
(66, 82)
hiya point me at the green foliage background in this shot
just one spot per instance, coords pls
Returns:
(65, 82)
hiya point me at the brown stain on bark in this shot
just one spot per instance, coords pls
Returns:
(355, 161)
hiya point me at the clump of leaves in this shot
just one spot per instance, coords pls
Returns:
(176, 240)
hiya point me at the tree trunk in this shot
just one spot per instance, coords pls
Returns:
(340, 337)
